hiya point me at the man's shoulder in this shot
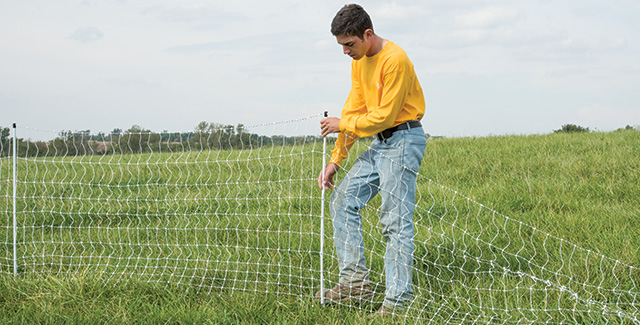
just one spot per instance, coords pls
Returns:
(394, 48)
(395, 55)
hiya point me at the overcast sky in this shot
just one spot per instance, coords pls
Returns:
(487, 67)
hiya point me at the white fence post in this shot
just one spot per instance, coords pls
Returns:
(324, 167)
(15, 191)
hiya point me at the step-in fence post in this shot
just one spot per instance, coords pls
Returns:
(324, 167)
(15, 191)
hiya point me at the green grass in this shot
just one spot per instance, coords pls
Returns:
(86, 300)
(580, 187)
(233, 237)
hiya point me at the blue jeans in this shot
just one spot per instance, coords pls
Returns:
(388, 167)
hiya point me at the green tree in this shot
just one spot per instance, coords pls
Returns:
(116, 133)
(571, 128)
(5, 142)
(201, 135)
(137, 140)
(628, 128)
(4, 134)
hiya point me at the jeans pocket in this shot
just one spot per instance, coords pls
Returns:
(396, 141)
(392, 144)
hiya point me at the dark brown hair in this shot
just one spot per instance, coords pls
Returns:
(351, 20)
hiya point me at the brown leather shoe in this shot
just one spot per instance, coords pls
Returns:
(345, 292)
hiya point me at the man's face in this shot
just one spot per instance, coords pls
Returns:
(354, 46)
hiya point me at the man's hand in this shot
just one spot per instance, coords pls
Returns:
(330, 171)
(329, 125)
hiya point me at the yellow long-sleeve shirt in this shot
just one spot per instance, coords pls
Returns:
(385, 92)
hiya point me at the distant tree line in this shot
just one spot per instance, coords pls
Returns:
(572, 128)
(206, 136)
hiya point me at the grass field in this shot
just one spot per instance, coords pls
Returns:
(233, 237)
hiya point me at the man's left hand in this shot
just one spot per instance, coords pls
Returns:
(329, 125)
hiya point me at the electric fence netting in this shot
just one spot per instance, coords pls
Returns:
(237, 209)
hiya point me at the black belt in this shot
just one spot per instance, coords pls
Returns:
(389, 132)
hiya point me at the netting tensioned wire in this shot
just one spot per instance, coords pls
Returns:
(225, 209)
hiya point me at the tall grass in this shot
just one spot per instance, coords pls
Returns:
(230, 236)
(580, 187)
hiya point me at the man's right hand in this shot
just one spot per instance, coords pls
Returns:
(330, 170)
(329, 125)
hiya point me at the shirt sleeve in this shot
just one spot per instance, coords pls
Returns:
(353, 107)
(341, 149)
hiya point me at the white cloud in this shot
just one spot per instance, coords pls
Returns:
(612, 43)
(191, 12)
(488, 18)
(324, 44)
(394, 11)
(129, 82)
(470, 36)
(574, 47)
(86, 35)
(568, 72)
(98, 2)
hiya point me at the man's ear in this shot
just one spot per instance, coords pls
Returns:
(368, 33)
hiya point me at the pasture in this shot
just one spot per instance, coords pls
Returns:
(540, 228)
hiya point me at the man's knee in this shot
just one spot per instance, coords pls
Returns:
(396, 226)
(340, 202)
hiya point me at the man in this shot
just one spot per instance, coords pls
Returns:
(386, 100)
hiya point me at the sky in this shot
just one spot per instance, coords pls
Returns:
(487, 67)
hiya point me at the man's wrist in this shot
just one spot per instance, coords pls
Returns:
(341, 126)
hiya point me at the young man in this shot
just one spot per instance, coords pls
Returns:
(386, 100)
